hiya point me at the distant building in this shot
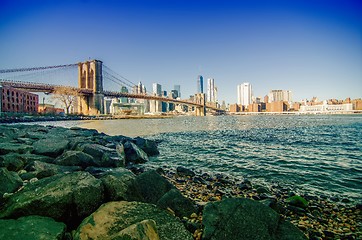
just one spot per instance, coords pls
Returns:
(325, 107)
(178, 89)
(244, 94)
(18, 101)
(236, 108)
(280, 106)
(211, 91)
(280, 95)
(124, 99)
(50, 109)
(200, 84)
(357, 104)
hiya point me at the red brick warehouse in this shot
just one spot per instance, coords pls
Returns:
(15, 100)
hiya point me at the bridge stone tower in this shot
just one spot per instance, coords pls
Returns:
(90, 77)
(200, 99)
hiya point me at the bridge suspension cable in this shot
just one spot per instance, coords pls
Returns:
(117, 78)
(37, 68)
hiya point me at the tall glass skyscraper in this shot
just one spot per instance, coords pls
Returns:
(200, 84)
(178, 89)
(211, 90)
(244, 94)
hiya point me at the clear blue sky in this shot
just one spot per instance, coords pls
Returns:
(313, 48)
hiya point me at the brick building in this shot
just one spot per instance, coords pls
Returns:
(18, 101)
(280, 106)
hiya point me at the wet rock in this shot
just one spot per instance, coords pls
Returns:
(173, 199)
(52, 147)
(32, 228)
(43, 169)
(148, 146)
(152, 186)
(134, 154)
(113, 217)
(9, 181)
(245, 185)
(240, 218)
(76, 158)
(297, 201)
(182, 171)
(65, 197)
(6, 148)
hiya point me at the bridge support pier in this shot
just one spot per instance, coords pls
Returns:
(90, 77)
(200, 99)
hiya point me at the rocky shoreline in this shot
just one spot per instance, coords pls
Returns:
(59, 183)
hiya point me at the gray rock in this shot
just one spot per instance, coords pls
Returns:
(6, 148)
(65, 197)
(10, 181)
(102, 155)
(182, 206)
(148, 146)
(32, 228)
(43, 169)
(51, 147)
(121, 154)
(76, 158)
(182, 171)
(120, 185)
(134, 154)
(239, 218)
(145, 230)
(152, 186)
(113, 217)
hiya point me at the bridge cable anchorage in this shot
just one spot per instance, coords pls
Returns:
(36, 68)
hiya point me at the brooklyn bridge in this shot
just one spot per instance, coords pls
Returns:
(90, 91)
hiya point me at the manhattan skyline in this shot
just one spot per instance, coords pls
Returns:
(313, 48)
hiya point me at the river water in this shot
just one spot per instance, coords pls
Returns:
(315, 154)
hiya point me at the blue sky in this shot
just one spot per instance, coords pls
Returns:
(313, 48)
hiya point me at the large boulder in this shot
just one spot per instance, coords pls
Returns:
(145, 230)
(42, 169)
(75, 158)
(240, 218)
(51, 147)
(134, 154)
(152, 186)
(103, 156)
(182, 206)
(9, 181)
(113, 217)
(65, 197)
(6, 148)
(32, 228)
(148, 146)
(120, 185)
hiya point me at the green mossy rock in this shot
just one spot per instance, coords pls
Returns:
(297, 201)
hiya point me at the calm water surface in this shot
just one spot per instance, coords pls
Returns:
(316, 154)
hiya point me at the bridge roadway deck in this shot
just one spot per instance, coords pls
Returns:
(43, 87)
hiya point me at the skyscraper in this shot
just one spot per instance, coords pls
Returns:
(157, 89)
(211, 90)
(178, 89)
(200, 84)
(244, 94)
(280, 95)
